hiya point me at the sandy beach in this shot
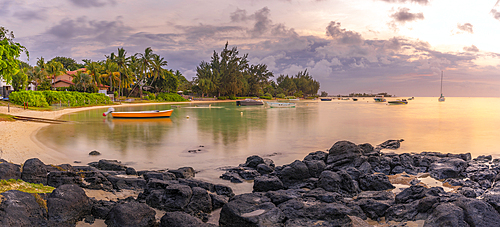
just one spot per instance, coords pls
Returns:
(17, 138)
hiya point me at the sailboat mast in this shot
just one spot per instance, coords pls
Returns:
(441, 83)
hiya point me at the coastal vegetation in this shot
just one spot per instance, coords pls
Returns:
(46, 98)
(20, 185)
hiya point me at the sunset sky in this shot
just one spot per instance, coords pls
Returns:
(394, 46)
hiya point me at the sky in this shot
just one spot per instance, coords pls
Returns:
(355, 46)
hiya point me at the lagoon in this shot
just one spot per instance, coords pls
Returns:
(223, 134)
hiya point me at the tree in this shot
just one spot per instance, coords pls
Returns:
(144, 67)
(82, 81)
(258, 78)
(37, 75)
(10, 51)
(20, 80)
(157, 64)
(122, 61)
(68, 63)
(94, 70)
(54, 69)
(112, 72)
(324, 94)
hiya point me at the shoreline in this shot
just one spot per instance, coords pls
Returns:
(17, 138)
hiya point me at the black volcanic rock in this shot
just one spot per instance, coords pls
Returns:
(131, 214)
(20, 209)
(343, 152)
(34, 171)
(68, 204)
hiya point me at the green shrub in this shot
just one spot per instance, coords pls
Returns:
(266, 97)
(222, 97)
(232, 97)
(170, 97)
(45, 98)
(280, 95)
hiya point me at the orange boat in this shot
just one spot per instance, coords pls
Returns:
(140, 114)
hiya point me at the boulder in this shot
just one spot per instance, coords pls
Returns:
(183, 172)
(34, 171)
(58, 178)
(218, 200)
(374, 209)
(369, 150)
(315, 167)
(68, 203)
(130, 171)
(158, 175)
(280, 196)
(478, 212)
(318, 156)
(340, 182)
(249, 174)
(295, 171)
(20, 209)
(447, 168)
(94, 153)
(250, 209)
(112, 165)
(414, 192)
(131, 214)
(267, 183)
(174, 197)
(446, 214)
(253, 161)
(391, 144)
(120, 183)
(375, 182)
(234, 177)
(101, 208)
(95, 180)
(200, 201)
(343, 152)
(9, 171)
(307, 212)
(181, 219)
(323, 195)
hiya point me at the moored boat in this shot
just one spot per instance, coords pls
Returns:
(398, 102)
(379, 98)
(326, 99)
(249, 102)
(139, 114)
(281, 104)
(354, 99)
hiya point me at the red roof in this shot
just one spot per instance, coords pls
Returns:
(64, 81)
(73, 72)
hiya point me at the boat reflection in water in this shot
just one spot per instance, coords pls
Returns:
(112, 122)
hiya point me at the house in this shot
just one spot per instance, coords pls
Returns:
(65, 80)
(5, 89)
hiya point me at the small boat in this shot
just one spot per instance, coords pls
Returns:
(293, 99)
(379, 98)
(354, 99)
(139, 114)
(345, 98)
(281, 104)
(249, 102)
(441, 98)
(326, 99)
(412, 98)
(398, 102)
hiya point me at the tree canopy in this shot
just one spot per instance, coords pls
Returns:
(10, 51)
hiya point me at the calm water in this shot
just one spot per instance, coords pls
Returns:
(229, 133)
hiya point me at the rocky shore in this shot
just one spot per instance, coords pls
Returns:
(350, 185)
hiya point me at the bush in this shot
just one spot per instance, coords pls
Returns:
(280, 95)
(222, 97)
(170, 97)
(232, 97)
(45, 98)
(266, 97)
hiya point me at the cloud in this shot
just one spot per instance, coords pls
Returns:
(30, 15)
(471, 49)
(262, 22)
(92, 3)
(403, 15)
(82, 28)
(422, 2)
(467, 27)
(239, 15)
(203, 31)
(496, 14)
(342, 35)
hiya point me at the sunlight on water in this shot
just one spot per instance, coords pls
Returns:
(226, 134)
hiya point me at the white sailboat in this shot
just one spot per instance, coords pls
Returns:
(441, 98)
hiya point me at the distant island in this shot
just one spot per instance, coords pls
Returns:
(385, 94)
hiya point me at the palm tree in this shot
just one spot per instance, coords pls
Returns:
(94, 70)
(54, 69)
(82, 81)
(37, 75)
(112, 72)
(41, 63)
(144, 67)
(123, 62)
(157, 64)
